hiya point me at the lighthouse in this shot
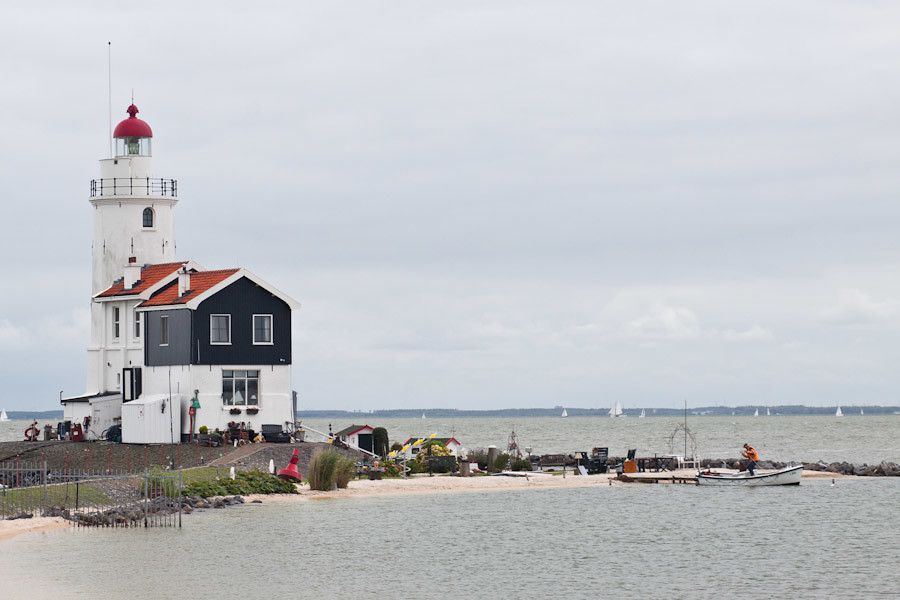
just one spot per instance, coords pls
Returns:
(167, 335)
(133, 210)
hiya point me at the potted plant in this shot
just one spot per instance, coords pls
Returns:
(203, 435)
(235, 411)
(252, 410)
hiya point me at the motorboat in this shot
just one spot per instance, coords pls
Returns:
(786, 476)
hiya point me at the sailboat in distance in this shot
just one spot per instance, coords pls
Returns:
(643, 414)
(564, 413)
(756, 413)
(616, 411)
(768, 414)
(839, 412)
(3, 415)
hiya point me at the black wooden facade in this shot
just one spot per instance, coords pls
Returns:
(189, 336)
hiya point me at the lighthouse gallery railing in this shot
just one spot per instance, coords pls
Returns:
(134, 186)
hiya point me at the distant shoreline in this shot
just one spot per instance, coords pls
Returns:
(702, 411)
(449, 413)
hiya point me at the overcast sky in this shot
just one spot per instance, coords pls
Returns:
(484, 204)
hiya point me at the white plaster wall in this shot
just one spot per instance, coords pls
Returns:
(118, 223)
(76, 411)
(274, 386)
(107, 356)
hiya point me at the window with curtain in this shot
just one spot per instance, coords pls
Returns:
(220, 329)
(240, 388)
(262, 329)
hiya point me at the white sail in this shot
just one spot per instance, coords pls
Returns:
(756, 413)
(768, 414)
(423, 415)
(3, 416)
(839, 412)
(643, 414)
(861, 411)
(616, 411)
(564, 413)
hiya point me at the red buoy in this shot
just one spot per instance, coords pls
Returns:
(290, 471)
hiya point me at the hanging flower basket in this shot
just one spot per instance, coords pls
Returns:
(235, 411)
(252, 411)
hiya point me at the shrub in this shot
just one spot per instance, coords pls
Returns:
(203, 430)
(245, 482)
(380, 441)
(329, 469)
(396, 447)
(520, 464)
(392, 469)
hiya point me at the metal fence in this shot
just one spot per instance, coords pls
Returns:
(134, 186)
(106, 498)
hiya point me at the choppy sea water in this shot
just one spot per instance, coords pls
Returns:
(638, 541)
(853, 438)
(857, 439)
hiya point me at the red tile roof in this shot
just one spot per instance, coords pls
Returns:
(150, 276)
(201, 281)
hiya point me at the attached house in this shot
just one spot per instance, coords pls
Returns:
(224, 337)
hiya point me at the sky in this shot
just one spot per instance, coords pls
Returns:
(484, 204)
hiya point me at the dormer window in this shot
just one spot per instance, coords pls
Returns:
(148, 218)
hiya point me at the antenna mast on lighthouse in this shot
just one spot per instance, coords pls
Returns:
(109, 81)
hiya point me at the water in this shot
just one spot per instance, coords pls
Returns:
(856, 439)
(638, 541)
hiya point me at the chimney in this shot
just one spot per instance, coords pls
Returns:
(184, 282)
(132, 273)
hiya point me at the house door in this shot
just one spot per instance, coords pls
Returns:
(365, 441)
(131, 383)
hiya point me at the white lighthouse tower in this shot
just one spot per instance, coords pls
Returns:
(133, 239)
(132, 209)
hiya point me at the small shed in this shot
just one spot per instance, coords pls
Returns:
(106, 411)
(358, 436)
(153, 419)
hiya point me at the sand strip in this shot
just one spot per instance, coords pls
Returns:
(10, 529)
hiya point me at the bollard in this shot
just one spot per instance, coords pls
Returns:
(491, 458)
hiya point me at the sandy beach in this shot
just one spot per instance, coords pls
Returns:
(422, 484)
(10, 529)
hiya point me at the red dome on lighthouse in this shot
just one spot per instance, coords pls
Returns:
(132, 126)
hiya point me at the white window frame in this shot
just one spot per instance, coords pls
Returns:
(137, 325)
(271, 330)
(116, 322)
(164, 327)
(246, 379)
(211, 342)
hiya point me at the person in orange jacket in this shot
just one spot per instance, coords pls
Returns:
(752, 457)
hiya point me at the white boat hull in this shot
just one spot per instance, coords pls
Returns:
(787, 476)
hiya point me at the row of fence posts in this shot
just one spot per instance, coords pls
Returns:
(98, 498)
